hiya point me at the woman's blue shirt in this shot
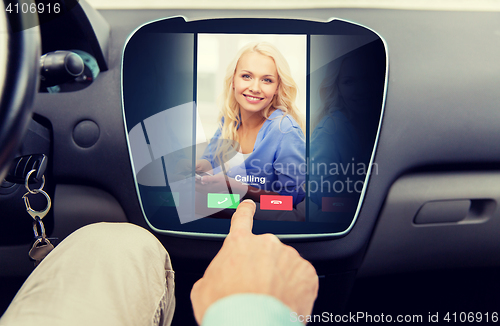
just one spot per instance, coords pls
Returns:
(278, 156)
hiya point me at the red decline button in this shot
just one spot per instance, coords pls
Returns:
(276, 203)
(338, 204)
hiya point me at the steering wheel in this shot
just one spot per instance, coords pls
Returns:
(19, 69)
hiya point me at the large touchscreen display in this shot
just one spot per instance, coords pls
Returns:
(284, 112)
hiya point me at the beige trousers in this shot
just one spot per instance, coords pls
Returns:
(102, 274)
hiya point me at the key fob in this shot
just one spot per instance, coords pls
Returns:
(40, 249)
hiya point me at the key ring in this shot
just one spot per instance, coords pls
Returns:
(41, 214)
(42, 246)
(26, 185)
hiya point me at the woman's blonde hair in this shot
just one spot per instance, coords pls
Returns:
(329, 93)
(284, 100)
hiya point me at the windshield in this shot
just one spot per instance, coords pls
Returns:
(477, 5)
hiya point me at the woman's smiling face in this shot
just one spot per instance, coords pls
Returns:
(255, 82)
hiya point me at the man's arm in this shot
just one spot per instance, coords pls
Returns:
(258, 264)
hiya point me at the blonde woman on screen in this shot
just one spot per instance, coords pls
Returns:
(260, 122)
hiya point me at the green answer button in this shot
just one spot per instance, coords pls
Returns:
(223, 200)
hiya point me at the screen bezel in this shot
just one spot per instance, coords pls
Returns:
(178, 24)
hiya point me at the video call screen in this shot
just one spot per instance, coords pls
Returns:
(283, 112)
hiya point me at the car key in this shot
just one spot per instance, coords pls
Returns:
(40, 249)
(24, 165)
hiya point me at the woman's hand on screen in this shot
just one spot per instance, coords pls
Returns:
(203, 166)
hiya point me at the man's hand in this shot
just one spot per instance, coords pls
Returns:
(249, 263)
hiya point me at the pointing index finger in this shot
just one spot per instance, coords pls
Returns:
(243, 217)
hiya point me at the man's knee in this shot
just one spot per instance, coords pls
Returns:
(117, 240)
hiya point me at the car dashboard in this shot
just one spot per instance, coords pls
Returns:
(431, 204)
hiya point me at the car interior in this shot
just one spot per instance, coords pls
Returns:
(100, 108)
